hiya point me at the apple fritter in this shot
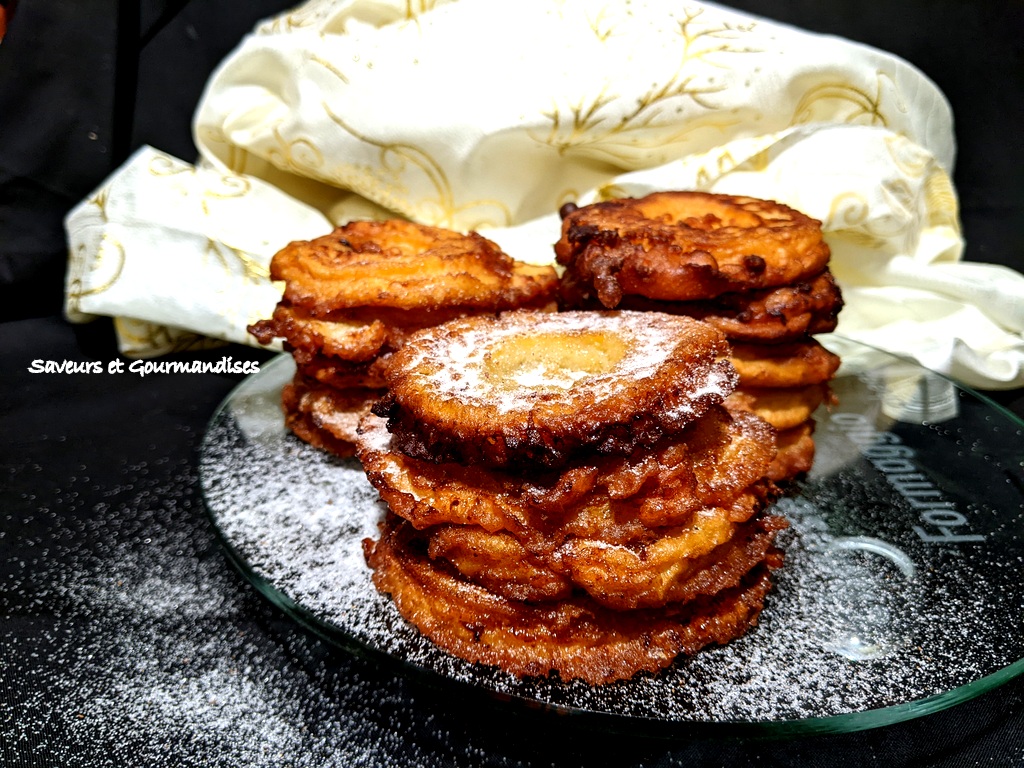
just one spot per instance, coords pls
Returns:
(574, 638)
(766, 316)
(782, 407)
(708, 464)
(326, 417)
(534, 387)
(683, 246)
(793, 364)
(795, 455)
(398, 264)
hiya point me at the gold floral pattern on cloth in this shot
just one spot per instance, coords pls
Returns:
(141, 339)
(395, 161)
(399, 103)
(598, 125)
(92, 271)
(848, 103)
(446, 113)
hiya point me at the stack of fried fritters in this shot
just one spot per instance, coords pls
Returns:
(567, 492)
(755, 269)
(352, 297)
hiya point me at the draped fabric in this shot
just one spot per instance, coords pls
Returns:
(339, 109)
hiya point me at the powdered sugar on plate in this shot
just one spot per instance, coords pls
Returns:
(128, 640)
(872, 616)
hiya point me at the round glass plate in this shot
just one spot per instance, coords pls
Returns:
(902, 592)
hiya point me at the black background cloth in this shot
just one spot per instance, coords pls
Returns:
(126, 638)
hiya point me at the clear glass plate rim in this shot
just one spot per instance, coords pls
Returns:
(839, 723)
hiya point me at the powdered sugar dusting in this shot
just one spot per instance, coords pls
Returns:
(712, 384)
(157, 671)
(546, 377)
(464, 375)
(155, 652)
(865, 615)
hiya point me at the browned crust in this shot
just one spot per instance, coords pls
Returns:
(770, 315)
(341, 374)
(793, 364)
(711, 553)
(397, 264)
(684, 246)
(615, 498)
(325, 417)
(782, 407)
(795, 456)
(546, 427)
(574, 638)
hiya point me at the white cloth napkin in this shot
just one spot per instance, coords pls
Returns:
(473, 115)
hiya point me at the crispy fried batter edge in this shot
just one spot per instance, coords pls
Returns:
(682, 246)
(574, 638)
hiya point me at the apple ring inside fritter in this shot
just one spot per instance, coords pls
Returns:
(770, 315)
(533, 387)
(683, 246)
(403, 265)
(575, 638)
(709, 464)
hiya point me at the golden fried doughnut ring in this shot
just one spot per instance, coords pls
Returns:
(796, 453)
(306, 335)
(402, 265)
(774, 314)
(496, 561)
(713, 551)
(712, 554)
(770, 315)
(354, 335)
(325, 417)
(793, 364)
(341, 374)
(684, 246)
(576, 638)
(782, 407)
(709, 464)
(534, 387)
